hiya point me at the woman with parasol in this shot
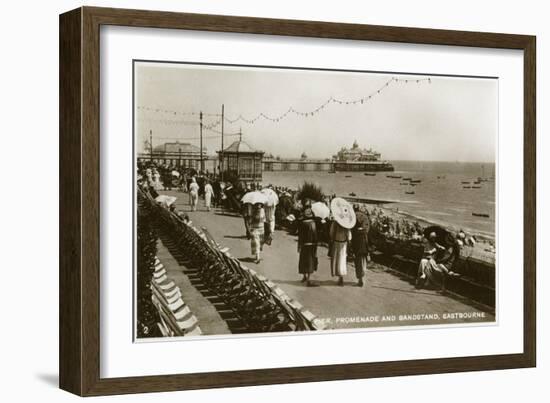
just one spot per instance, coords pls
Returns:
(340, 235)
(257, 220)
(307, 246)
(271, 203)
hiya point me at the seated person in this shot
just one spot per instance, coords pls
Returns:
(429, 272)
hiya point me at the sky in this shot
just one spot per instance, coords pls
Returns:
(443, 119)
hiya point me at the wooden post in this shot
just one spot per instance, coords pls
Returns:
(201, 166)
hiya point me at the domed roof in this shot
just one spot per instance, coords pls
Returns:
(172, 147)
(240, 146)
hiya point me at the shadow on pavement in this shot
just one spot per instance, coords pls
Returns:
(247, 259)
(321, 283)
(236, 236)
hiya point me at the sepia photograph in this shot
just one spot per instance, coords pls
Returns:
(273, 199)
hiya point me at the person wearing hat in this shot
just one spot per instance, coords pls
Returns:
(193, 194)
(428, 268)
(360, 244)
(208, 193)
(339, 238)
(257, 220)
(307, 246)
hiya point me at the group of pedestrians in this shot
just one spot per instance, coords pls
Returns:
(342, 242)
(194, 194)
(259, 222)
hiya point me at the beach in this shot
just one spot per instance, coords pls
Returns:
(440, 198)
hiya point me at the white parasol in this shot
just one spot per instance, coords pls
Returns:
(320, 210)
(166, 200)
(254, 197)
(272, 198)
(343, 212)
(176, 173)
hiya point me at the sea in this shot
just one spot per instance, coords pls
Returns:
(445, 195)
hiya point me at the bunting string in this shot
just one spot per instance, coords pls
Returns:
(168, 122)
(277, 118)
(198, 138)
(175, 112)
(331, 100)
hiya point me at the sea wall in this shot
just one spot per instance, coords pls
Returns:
(477, 276)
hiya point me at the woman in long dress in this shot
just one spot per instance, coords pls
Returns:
(208, 193)
(432, 273)
(156, 180)
(360, 244)
(339, 237)
(257, 221)
(429, 272)
(193, 194)
(269, 223)
(307, 246)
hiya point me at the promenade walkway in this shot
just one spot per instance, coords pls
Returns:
(386, 299)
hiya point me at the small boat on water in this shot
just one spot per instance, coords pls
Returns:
(412, 184)
(393, 176)
(348, 176)
(466, 187)
(416, 181)
(480, 215)
(465, 182)
(409, 193)
(476, 187)
(404, 183)
(407, 179)
(369, 174)
(353, 194)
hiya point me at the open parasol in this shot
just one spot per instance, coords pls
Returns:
(176, 173)
(254, 197)
(342, 212)
(320, 210)
(272, 198)
(443, 237)
(165, 200)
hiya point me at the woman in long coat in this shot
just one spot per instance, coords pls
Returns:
(339, 238)
(307, 246)
(208, 193)
(360, 244)
(193, 194)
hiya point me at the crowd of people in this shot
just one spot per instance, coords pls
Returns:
(312, 231)
(295, 214)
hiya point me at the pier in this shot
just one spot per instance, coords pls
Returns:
(324, 165)
(210, 163)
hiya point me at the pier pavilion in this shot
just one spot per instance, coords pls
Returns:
(178, 154)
